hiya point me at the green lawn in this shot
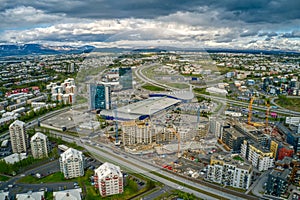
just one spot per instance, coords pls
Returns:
(4, 178)
(289, 103)
(153, 88)
(178, 85)
(90, 193)
(52, 178)
(238, 158)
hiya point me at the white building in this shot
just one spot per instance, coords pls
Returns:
(216, 126)
(229, 172)
(215, 90)
(18, 137)
(108, 179)
(31, 196)
(4, 195)
(73, 194)
(72, 163)
(259, 157)
(15, 157)
(39, 145)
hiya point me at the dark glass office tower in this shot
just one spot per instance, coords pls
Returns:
(99, 97)
(125, 78)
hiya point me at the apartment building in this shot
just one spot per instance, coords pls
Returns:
(229, 172)
(18, 137)
(108, 179)
(259, 156)
(277, 183)
(72, 163)
(39, 145)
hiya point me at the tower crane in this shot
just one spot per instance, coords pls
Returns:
(250, 114)
(178, 139)
(250, 110)
(267, 115)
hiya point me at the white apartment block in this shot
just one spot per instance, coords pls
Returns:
(18, 137)
(229, 172)
(260, 158)
(39, 145)
(72, 163)
(108, 179)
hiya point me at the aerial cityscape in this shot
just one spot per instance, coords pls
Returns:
(153, 100)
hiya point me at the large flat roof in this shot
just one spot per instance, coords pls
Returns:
(142, 108)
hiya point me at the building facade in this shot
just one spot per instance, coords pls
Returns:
(258, 156)
(136, 133)
(125, 78)
(229, 172)
(233, 139)
(72, 163)
(18, 137)
(108, 179)
(277, 183)
(39, 144)
(216, 127)
(99, 97)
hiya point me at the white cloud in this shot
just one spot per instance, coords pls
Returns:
(26, 15)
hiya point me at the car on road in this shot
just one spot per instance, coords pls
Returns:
(180, 188)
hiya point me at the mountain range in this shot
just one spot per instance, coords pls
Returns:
(38, 49)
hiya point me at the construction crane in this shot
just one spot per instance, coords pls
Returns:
(267, 115)
(178, 139)
(250, 114)
(250, 110)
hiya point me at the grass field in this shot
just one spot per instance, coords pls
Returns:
(153, 88)
(289, 103)
(53, 178)
(4, 178)
(178, 85)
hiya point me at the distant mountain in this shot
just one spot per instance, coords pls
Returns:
(38, 49)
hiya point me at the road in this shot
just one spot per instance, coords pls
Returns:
(158, 193)
(140, 75)
(132, 166)
(44, 169)
(135, 165)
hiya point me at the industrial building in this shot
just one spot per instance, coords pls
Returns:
(229, 172)
(72, 163)
(108, 179)
(18, 137)
(39, 145)
(259, 156)
(140, 110)
(184, 96)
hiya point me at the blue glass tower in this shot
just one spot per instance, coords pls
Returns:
(99, 97)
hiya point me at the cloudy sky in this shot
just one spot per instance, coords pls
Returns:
(250, 24)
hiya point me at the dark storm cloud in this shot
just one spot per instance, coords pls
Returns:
(248, 33)
(252, 11)
(293, 34)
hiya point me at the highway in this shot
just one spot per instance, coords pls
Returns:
(136, 165)
(140, 75)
